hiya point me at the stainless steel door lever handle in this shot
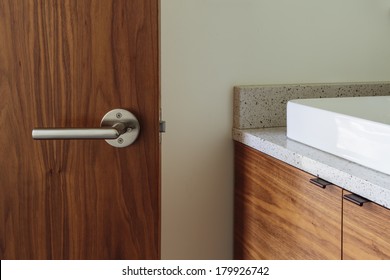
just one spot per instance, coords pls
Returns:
(119, 128)
(75, 133)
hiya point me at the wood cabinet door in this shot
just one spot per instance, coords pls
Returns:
(279, 214)
(366, 231)
(66, 63)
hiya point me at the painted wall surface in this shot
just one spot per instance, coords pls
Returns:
(207, 47)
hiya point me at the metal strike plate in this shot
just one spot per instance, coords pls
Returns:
(163, 126)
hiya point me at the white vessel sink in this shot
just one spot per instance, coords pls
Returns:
(354, 128)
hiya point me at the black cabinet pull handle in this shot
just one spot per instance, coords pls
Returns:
(320, 182)
(354, 198)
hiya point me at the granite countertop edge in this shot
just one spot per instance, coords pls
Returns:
(350, 176)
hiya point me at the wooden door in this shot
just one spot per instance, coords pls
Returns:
(279, 214)
(366, 231)
(65, 63)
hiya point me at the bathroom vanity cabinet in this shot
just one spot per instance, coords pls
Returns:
(366, 231)
(280, 214)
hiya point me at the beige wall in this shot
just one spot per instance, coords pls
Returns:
(208, 46)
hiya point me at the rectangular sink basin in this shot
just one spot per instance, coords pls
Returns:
(354, 128)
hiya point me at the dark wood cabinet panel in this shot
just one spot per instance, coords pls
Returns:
(366, 231)
(279, 214)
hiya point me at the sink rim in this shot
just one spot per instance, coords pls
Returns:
(356, 139)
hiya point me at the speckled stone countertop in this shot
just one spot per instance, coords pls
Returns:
(265, 105)
(259, 120)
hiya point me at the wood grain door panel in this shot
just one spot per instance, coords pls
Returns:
(65, 64)
(366, 231)
(279, 214)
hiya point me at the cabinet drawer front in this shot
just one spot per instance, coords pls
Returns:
(279, 214)
(366, 231)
